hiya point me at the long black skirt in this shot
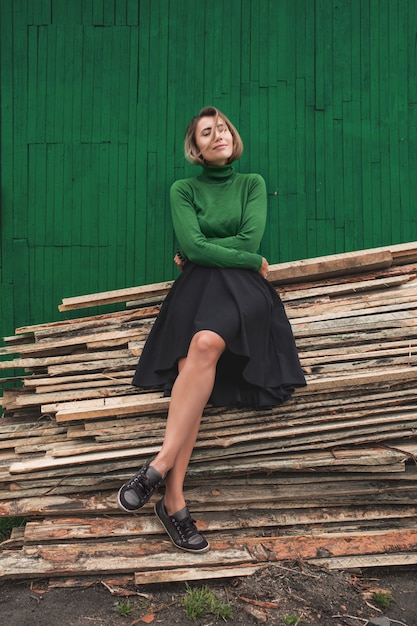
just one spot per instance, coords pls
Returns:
(260, 367)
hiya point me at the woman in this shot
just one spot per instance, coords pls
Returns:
(222, 333)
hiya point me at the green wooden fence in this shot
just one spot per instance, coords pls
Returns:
(95, 97)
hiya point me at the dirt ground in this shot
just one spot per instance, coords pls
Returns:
(285, 594)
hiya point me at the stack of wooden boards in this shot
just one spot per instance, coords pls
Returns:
(328, 477)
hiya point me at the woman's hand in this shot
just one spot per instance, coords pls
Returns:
(263, 270)
(179, 262)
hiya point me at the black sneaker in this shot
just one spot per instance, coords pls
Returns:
(135, 493)
(181, 528)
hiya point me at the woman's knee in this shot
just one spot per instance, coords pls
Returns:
(207, 344)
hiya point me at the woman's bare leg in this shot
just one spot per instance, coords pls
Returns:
(190, 394)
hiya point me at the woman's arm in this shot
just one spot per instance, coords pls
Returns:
(253, 222)
(211, 252)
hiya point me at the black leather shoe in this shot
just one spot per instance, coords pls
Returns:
(181, 529)
(135, 493)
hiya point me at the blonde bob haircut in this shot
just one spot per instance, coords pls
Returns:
(191, 151)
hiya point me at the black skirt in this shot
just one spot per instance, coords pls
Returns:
(260, 367)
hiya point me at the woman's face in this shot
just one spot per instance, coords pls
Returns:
(216, 148)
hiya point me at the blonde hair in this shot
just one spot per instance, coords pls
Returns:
(191, 150)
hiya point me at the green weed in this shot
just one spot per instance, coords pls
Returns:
(200, 601)
(124, 608)
(292, 620)
(383, 598)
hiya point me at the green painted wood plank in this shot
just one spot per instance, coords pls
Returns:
(282, 34)
(141, 175)
(40, 12)
(132, 12)
(132, 254)
(21, 305)
(312, 249)
(36, 194)
(407, 132)
(322, 16)
(329, 159)
(67, 13)
(85, 214)
(61, 85)
(254, 42)
(87, 84)
(356, 48)
(301, 155)
(384, 123)
(32, 86)
(310, 27)
(76, 83)
(120, 12)
(41, 103)
(16, 85)
(109, 114)
(394, 139)
(109, 10)
(50, 207)
(87, 12)
(97, 103)
(151, 221)
(310, 173)
(79, 171)
(348, 176)
(320, 165)
(52, 134)
(246, 42)
(6, 155)
(338, 173)
(66, 39)
(98, 12)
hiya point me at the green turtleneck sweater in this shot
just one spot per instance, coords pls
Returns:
(219, 217)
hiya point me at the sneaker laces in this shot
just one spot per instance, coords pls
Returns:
(186, 527)
(141, 484)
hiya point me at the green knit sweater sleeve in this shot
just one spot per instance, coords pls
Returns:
(237, 250)
(253, 222)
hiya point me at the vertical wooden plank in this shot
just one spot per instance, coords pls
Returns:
(39, 11)
(51, 75)
(87, 85)
(384, 121)
(141, 175)
(120, 12)
(67, 13)
(366, 154)
(100, 183)
(309, 52)
(120, 259)
(132, 254)
(394, 139)
(36, 193)
(132, 12)
(109, 54)
(407, 131)
(301, 156)
(96, 103)
(321, 17)
(6, 159)
(87, 12)
(41, 89)
(246, 42)
(77, 83)
(98, 12)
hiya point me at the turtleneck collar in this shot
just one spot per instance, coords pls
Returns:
(217, 173)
